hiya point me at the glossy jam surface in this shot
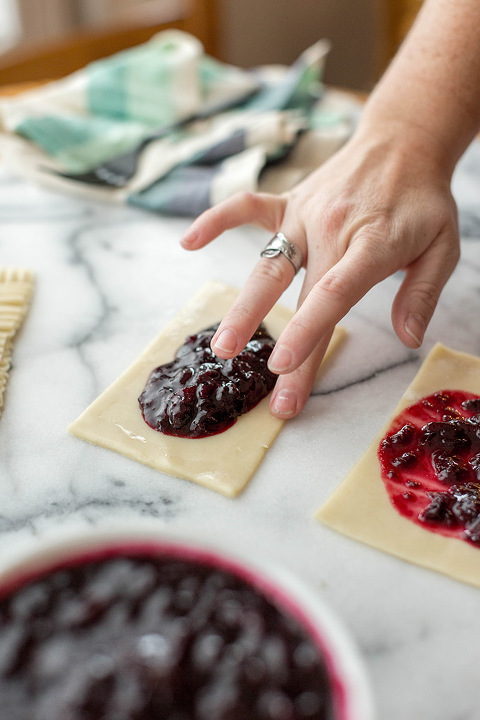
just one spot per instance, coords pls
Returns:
(430, 460)
(144, 637)
(199, 394)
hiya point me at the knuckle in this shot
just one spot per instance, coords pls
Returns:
(373, 236)
(248, 199)
(299, 338)
(272, 271)
(214, 215)
(334, 284)
(240, 314)
(425, 294)
(334, 218)
(453, 255)
(298, 328)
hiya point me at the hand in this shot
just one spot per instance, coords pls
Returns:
(379, 205)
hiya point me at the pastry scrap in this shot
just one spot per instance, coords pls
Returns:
(416, 491)
(16, 288)
(224, 461)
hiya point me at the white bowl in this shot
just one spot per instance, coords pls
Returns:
(350, 685)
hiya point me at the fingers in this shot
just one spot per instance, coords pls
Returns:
(341, 268)
(267, 282)
(269, 279)
(418, 295)
(328, 301)
(259, 209)
(292, 391)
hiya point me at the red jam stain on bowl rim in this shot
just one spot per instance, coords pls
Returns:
(305, 610)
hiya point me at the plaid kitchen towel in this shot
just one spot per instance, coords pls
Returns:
(200, 129)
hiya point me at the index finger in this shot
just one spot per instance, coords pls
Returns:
(261, 209)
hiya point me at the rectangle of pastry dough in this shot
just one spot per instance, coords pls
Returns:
(223, 462)
(360, 507)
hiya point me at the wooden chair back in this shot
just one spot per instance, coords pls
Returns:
(53, 60)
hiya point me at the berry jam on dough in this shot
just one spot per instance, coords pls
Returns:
(199, 394)
(430, 460)
(140, 637)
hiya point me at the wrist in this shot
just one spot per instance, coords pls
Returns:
(408, 136)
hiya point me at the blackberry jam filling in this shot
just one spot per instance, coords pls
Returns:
(140, 637)
(430, 461)
(199, 394)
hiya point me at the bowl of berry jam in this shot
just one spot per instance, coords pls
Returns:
(141, 625)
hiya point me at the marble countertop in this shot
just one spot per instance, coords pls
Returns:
(107, 281)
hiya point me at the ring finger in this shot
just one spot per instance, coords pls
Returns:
(292, 391)
(268, 280)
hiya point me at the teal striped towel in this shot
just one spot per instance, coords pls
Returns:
(221, 128)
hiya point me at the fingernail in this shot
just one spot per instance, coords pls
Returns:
(415, 326)
(226, 341)
(285, 402)
(280, 359)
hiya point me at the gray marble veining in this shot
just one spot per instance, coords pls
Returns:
(107, 280)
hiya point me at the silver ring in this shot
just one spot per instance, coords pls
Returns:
(279, 244)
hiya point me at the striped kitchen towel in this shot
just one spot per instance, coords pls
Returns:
(200, 129)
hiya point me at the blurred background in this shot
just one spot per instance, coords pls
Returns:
(44, 39)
